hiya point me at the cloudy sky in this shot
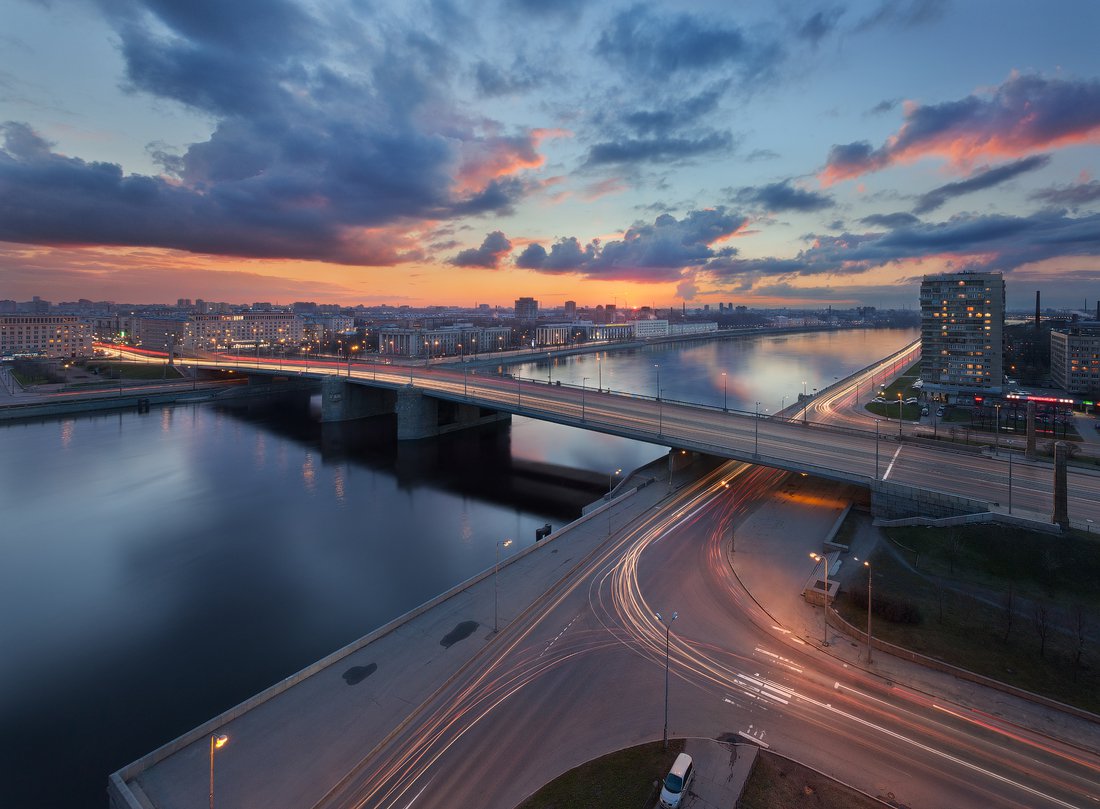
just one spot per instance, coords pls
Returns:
(472, 151)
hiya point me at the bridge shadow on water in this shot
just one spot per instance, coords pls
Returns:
(476, 462)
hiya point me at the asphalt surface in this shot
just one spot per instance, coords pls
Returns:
(577, 671)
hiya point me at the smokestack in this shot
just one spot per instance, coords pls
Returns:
(1036, 309)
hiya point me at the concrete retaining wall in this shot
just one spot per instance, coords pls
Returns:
(971, 519)
(892, 501)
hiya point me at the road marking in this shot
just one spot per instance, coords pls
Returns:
(783, 661)
(558, 636)
(416, 797)
(897, 452)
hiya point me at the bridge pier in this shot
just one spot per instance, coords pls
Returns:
(421, 416)
(344, 401)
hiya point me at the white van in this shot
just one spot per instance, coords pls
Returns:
(677, 782)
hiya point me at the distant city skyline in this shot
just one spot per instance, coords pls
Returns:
(428, 153)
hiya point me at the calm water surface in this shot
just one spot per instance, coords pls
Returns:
(160, 568)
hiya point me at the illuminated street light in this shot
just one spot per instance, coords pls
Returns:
(496, 579)
(899, 414)
(724, 392)
(817, 557)
(216, 742)
(610, 487)
(584, 382)
(867, 565)
(668, 628)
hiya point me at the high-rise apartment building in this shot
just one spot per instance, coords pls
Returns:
(962, 324)
(527, 309)
(1075, 358)
(570, 311)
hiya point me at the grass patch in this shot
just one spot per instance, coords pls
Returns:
(1018, 606)
(776, 783)
(903, 385)
(622, 780)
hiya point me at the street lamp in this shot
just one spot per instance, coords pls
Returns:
(876, 449)
(216, 742)
(610, 487)
(549, 369)
(465, 380)
(756, 433)
(584, 381)
(867, 565)
(657, 369)
(668, 628)
(805, 401)
(350, 350)
(899, 414)
(817, 557)
(496, 579)
(997, 430)
(599, 371)
(723, 391)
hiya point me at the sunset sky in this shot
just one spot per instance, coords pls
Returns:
(449, 152)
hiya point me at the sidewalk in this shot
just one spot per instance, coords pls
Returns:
(771, 559)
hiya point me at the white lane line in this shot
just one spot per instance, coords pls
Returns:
(897, 452)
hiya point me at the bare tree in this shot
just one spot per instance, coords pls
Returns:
(1042, 626)
(1080, 624)
(1010, 611)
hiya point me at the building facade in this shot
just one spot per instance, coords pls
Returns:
(442, 342)
(52, 336)
(962, 333)
(527, 309)
(1075, 358)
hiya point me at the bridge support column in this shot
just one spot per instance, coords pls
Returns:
(344, 401)
(417, 415)
(421, 416)
(1030, 451)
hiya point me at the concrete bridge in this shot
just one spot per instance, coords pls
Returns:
(907, 476)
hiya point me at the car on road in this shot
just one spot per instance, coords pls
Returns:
(939, 411)
(924, 411)
(677, 782)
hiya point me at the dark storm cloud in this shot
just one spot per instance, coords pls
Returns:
(784, 197)
(304, 161)
(660, 251)
(633, 150)
(1070, 196)
(980, 242)
(1023, 115)
(890, 220)
(492, 250)
(654, 45)
(983, 179)
(820, 25)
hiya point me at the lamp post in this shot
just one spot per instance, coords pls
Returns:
(668, 628)
(584, 382)
(610, 487)
(1010, 482)
(549, 369)
(496, 577)
(805, 401)
(817, 557)
(724, 392)
(756, 432)
(997, 430)
(657, 370)
(216, 742)
(899, 414)
(876, 449)
(660, 414)
(466, 380)
(599, 372)
(351, 349)
(867, 565)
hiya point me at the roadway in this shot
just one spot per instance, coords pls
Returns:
(485, 721)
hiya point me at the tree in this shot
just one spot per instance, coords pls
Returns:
(1042, 626)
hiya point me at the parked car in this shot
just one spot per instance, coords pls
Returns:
(924, 411)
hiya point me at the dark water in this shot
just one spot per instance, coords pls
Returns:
(157, 569)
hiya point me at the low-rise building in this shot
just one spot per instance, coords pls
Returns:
(53, 336)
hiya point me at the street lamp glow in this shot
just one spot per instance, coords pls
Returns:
(216, 743)
(506, 543)
(817, 557)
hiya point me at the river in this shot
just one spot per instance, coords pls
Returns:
(159, 568)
